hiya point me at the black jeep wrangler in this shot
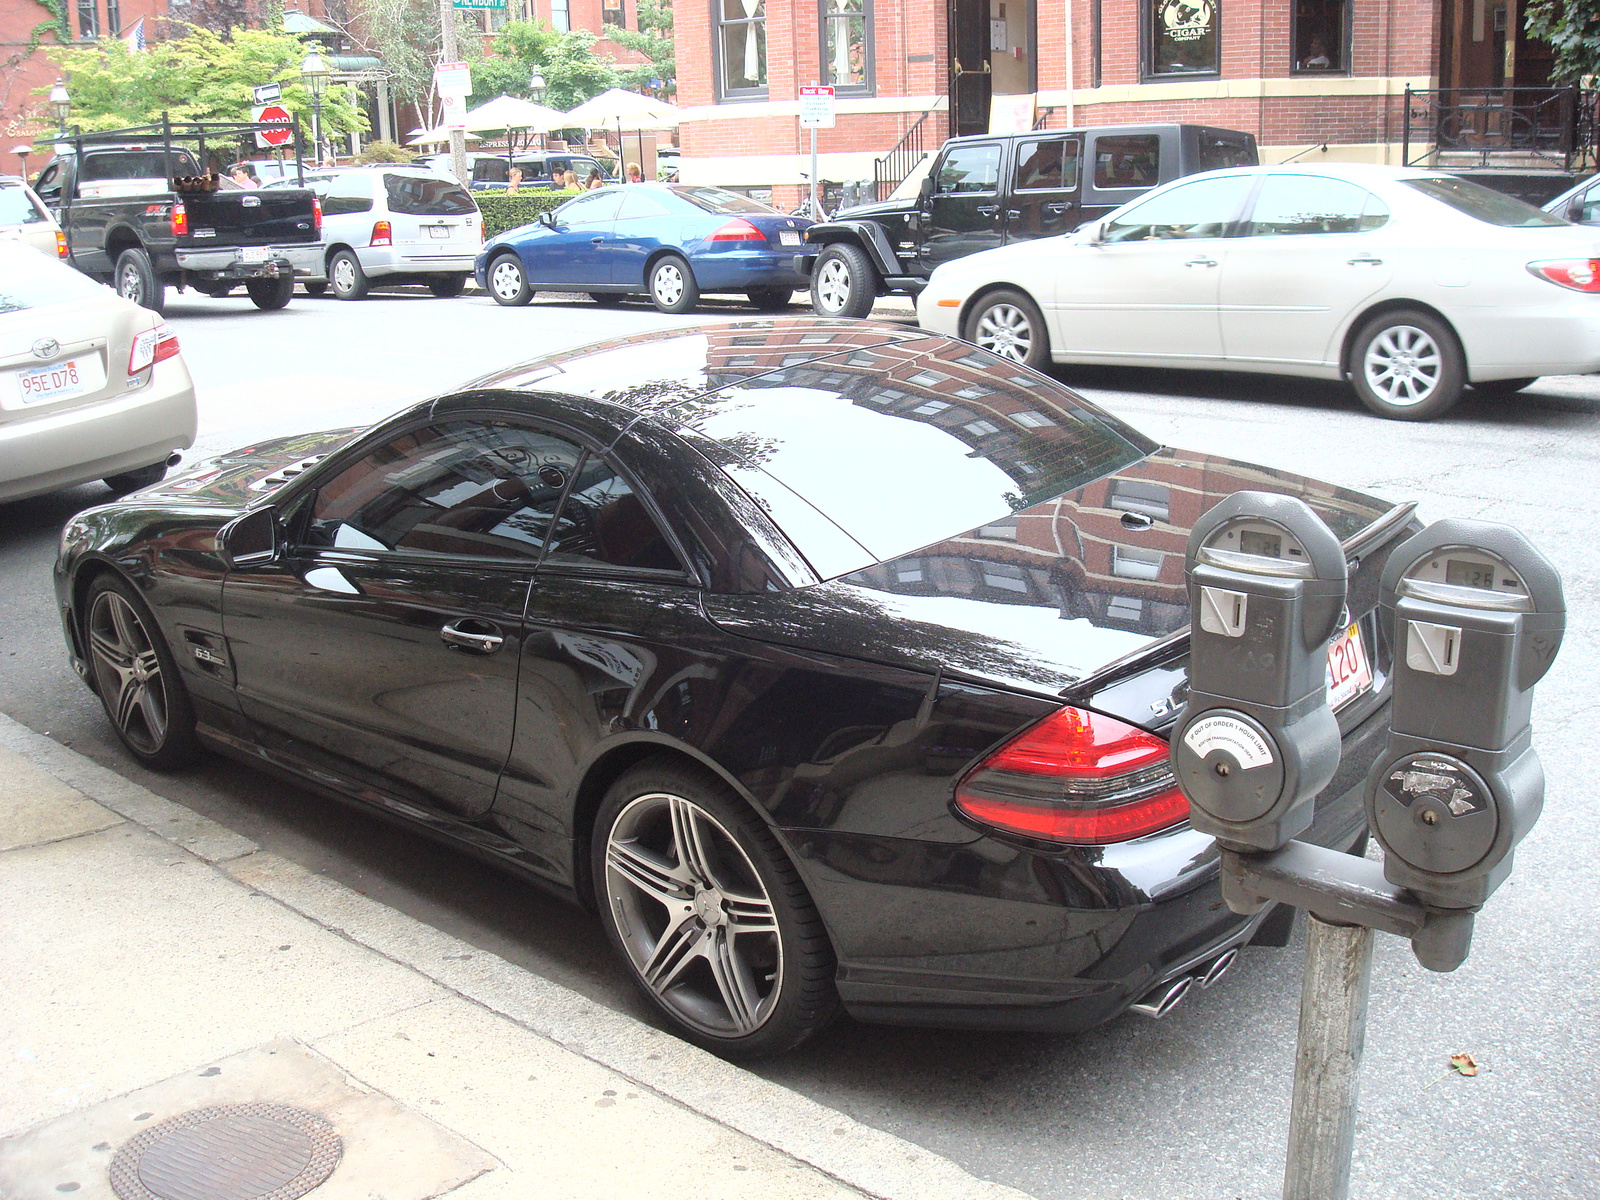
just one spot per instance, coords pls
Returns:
(987, 190)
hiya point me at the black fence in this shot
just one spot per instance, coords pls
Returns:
(1555, 126)
(890, 171)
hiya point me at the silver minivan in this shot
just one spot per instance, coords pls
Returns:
(390, 224)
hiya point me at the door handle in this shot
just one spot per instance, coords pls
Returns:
(458, 636)
(1201, 262)
(596, 241)
(1366, 260)
(988, 210)
(1013, 214)
(1058, 208)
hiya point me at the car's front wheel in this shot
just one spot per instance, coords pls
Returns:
(137, 281)
(315, 288)
(1008, 324)
(349, 281)
(136, 677)
(843, 283)
(607, 299)
(1407, 366)
(711, 917)
(672, 285)
(508, 281)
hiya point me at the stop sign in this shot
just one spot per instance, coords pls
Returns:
(274, 114)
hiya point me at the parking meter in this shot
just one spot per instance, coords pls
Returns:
(1477, 616)
(1257, 741)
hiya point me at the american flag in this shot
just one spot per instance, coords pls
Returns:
(135, 36)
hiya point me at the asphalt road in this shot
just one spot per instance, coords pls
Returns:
(1193, 1106)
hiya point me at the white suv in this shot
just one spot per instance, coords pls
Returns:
(392, 225)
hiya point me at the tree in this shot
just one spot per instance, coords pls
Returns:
(196, 77)
(572, 71)
(1573, 28)
(406, 35)
(653, 39)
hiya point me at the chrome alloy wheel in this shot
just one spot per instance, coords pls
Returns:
(1402, 365)
(128, 673)
(344, 275)
(505, 278)
(833, 285)
(130, 283)
(1005, 330)
(693, 915)
(666, 284)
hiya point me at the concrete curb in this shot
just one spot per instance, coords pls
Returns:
(869, 1160)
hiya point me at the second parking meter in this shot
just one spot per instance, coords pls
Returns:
(1477, 616)
(1257, 741)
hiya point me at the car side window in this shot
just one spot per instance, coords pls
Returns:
(604, 524)
(640, 203)
(482, 488)
(1300, 204)
(968, 169)
(48, 186)
(1202, 208)
(587, 210)
(347, 194)
(1126, 160)
(1050, 164)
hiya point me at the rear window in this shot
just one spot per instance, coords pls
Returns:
(1483, 204)
(18, 208)
(425, 196)
(1217, 152)
(715, 200)
(29, 279)
(134, 164)
(1127, 160)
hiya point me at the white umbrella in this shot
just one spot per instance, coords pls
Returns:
(625, 110)
(509, 112)
(436, 136)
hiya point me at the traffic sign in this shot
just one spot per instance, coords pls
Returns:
(274, 114)
(455, 110)
(266, 93)
(453, 78)
(816, 106)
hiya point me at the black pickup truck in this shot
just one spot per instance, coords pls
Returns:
(142, 213)
(987, 190)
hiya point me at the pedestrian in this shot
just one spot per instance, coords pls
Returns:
(595, 179)
(635, 175)
(241, 174)
(513, 180)
(569, 182)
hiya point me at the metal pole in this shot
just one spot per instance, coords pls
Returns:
(1327, 1065)
(316, 127)
(458, 137)
(816, 205)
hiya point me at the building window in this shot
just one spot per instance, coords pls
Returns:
(88, 20)
(847, 37)
(1182, 37)
(113, 19)
(742, 48)
(1321, 36)
(560, 16)
(611, 13)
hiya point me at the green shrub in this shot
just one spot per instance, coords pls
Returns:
(384, 152)
(503, 211)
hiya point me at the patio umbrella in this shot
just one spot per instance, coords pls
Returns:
(436, 136)
(624, 109)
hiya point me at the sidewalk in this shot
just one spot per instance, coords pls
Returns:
(155, 964)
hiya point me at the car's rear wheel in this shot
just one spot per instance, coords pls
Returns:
(447, 287)
(1407, 366)
(1008, 324)
(709, 914)
(137, 281)
(136, 677)
(843, 283)
(770, 299)
(317, 288)
(349, 281)
(508, 281)
(132, 481)
(672, 285)
(607, 299)
(269, 294)
(1503, 387)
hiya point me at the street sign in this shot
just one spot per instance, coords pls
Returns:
(480, 3)
(452, 79)
(816, 106)
(266, 93)
(455, 110)
(274, 114)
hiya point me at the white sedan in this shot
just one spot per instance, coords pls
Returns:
(1410, 284)
(91, 385)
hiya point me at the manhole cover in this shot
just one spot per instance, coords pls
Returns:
(228, 1152)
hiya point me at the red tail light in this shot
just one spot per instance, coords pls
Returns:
(152, 346)
(738, 230)
(180, 220)
(382, 234)
(61, 244)
(1077, 777)
(316, 213)
(1579, 274)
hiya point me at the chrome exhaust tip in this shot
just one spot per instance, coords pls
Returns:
(1219, 967)
(1159, 1001)
(174, 459)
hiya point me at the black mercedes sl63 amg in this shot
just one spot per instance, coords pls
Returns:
(830, 663)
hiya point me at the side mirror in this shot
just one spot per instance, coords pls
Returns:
(1575, 208)
(547, 218)
(925, 188)
(1095, 233)
(250, 540)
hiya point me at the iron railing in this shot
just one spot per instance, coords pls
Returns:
(890, 171)
(1553, 125)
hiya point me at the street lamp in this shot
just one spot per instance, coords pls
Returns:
(60, 105)
(22, 152)
(314, 74)
(536, 92)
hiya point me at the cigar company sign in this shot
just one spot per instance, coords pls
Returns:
(1186, 20)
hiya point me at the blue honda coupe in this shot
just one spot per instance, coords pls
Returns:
(672, 242)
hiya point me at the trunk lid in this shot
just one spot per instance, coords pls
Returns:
(88, 364)
(273, 216)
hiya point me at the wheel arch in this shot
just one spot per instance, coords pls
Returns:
(335, 248)
(120, 238)
(988, 290)
(866, 236)
(1348, 342)
(84, 575)
(657, 255)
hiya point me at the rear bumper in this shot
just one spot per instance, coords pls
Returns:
(122, 434)
(416, 260)
(742, 270)
(225, 262)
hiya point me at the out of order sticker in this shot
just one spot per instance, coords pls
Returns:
(1222, 732)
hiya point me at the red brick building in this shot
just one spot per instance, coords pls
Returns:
(1299, 74)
